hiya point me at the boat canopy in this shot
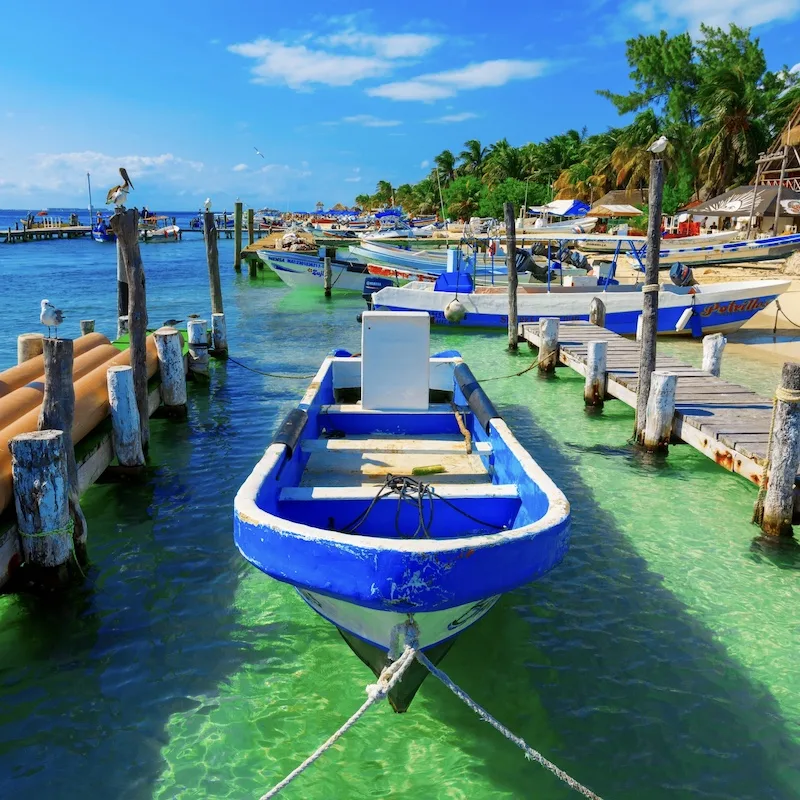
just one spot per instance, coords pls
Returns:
(562, 208)
(738, 202)
(614, 210)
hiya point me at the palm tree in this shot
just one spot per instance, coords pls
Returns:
(731, 132)
(472, 158)
(502, 162)
(630, 158)
(363, 201)
(383, 193)
(446, 164)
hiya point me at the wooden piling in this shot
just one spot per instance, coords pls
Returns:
(171, 371)
(251, 226)
(647, 354)
(212, 259)
(713, 345)
(57, 413)
(594, 389)
(219, 336)
(87, 326)
(774, 509)
(123, 294)
(124, 224)
(237, 236)
(123, 326)
(198, 346)
(326, 275)
(660, 412)
(41, 499)
(126, 434)
(548, 351)
(597, 312)
(511, 264)
(29, 345)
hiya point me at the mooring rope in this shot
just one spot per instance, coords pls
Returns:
(530, 753)
(66, 530)
(786, 396)
(375, 692)
(272, 374)
(464, 432)
(791, 322)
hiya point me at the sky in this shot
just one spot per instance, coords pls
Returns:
(285, 105)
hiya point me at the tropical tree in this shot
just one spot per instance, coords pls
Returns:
(503, 161)
(630, 158)
(363, 201)
(472, 158)
(383, 193)
(463, 197)
(446, 164)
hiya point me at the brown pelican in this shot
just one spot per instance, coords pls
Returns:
(118, 194)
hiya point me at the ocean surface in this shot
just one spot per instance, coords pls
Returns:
(661, 659)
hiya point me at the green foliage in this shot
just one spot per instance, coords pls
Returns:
(712, 97)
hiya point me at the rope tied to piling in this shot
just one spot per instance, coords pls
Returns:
(66, 530)
(651, 287)
(791, 396)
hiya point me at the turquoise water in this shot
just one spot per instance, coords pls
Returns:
(659, 660)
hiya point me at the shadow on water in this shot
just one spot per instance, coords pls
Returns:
(637, 677)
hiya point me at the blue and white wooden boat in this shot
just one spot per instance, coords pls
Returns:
(334, 509)
(695, 310)
(306, 271)
(101, 231)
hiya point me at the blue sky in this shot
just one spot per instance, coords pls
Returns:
(182, 93)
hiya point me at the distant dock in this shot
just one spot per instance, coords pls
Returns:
(43, 232)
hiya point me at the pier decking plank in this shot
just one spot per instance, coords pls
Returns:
(722, 420)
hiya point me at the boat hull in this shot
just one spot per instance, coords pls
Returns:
(300, 272)
(723, 309)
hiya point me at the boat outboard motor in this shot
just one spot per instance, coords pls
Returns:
(681, 275)
(524, 262)
(374, 284)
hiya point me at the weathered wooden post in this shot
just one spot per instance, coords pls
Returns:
(123, 295)
(237, 236)
(212, 259)
(511, 264)
(252, 265)
(251, 225)
(29, 345)
(713, 345)
(171, 371)
(548, 344)
(660, 412)
(594, 388)
(647, 353)
(197, 330)
(87, 326)
(219, 336)
(58, 414)
(597, 312)
(326, 275)
(123, 326)
(41, 499)
(126, 431)
(775, 506)
(124, 224)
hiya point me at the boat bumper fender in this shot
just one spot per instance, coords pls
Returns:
(478, 401)
(291, 429)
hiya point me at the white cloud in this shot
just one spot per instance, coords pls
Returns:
(425, 164)
(106, 165)
(439, 85)
(368, 121)
(298, 66)
(448, 118)
(240, 168)
(688, 14)
(398, 45)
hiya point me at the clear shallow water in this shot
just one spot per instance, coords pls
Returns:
(659, 660)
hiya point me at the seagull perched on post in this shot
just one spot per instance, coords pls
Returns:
(51, 316)
(659, 145)
(119, 194)
(207, 204)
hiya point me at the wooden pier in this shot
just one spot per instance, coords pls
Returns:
(40, 233)
(723, 420)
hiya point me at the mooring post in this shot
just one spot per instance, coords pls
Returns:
(660, 412)
(123, 295)
(171, 370)
(251, 225)
(237, 236)
(58, 414)
(212, 259)
(123, 326)
(713, 345)
(597, 312)
(41, 499)
(594, 389)
(326, 275)
(647, 352)
(29, 345)
(511, 264)
(87, 326)
(219, 336)
(198, 346)
(783, 458)
(548, 344)
(124, 224)
(126, 433)
(252, 264)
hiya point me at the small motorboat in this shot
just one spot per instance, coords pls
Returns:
(397, 502)
(158, 229)
(101, 232)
